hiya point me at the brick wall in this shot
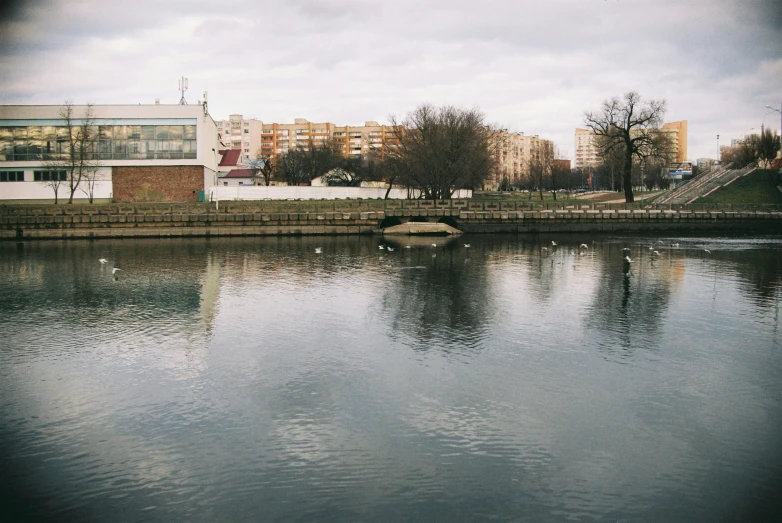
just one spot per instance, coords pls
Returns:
(169, 183)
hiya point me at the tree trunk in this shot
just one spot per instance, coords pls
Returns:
(627, 177)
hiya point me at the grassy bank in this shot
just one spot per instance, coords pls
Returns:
(758, 187)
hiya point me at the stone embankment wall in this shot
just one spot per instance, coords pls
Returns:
(363, 217)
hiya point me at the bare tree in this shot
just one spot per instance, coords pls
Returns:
(632, 126)
(90, 178)
(354, 170)
(76, 153)
(53, 177)
(540, 164)
(303, 164)
(440, 150)
(262, 169)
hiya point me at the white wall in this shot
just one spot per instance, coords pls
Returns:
(312, 193)
(31, 190)
(40, 191)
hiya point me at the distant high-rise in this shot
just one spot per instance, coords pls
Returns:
(587, 151)
(238, 133)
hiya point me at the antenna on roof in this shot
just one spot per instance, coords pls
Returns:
(183, 88)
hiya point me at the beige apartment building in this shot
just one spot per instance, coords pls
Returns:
(238, 133)
(277, 138)
(515, 154)
(587, 152)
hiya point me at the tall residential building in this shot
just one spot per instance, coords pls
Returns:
(241, 134)
(587, 151)
(277, 138)
(515, 153)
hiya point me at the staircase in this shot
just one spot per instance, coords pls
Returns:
(703, 185)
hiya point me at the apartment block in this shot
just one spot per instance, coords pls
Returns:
(241, 134)
(278, 138)
(586, 154)
(515, 153)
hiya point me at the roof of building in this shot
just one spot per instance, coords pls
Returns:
(229, 157)
(239, 173)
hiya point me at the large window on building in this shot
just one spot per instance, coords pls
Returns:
(48, 176)
(11, 176)
(109, 142)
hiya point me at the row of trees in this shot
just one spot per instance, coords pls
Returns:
(440, 150)
(436, 150)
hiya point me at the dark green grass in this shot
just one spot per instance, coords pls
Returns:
(757, 187)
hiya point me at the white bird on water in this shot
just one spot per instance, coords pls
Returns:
(390, 249)
(381, 247)
(318, 250)
(553, 243)
(707, 251)
(114, 270)
(434, 245)
(656, 253)
(103, 261)
(467, 245)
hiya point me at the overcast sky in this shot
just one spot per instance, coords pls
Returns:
(530, 66)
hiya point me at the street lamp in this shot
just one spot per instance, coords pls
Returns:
(780, 121)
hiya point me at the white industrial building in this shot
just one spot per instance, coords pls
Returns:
(142, 152)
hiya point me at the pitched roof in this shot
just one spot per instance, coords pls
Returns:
(229, 157)
(239, 173)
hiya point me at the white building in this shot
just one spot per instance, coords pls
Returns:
(144, 152)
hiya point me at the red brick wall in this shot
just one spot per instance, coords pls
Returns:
(176, 183)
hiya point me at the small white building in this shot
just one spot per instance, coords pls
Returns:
(237, 177)
(143, 152)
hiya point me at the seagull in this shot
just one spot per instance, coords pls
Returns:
(626, 249)
(434, 245)
(583, 246)
(390, 249)
(103, 261)
(114, 270)
(707, 251)
(381, 247)
(656, 253)
(553, 243)
(628, 260)
(408, 247)
(467, 245)
(318, 250)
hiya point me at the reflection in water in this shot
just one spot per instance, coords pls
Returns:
(225, 379)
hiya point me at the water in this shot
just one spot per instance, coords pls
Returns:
(253, 379)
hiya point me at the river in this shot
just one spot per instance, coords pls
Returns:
(255, 379)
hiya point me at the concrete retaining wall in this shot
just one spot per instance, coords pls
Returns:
(84, 221)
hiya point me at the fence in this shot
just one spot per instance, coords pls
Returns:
(256, 192)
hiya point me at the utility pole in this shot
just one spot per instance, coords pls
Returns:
(780, 122)
(719, 153)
